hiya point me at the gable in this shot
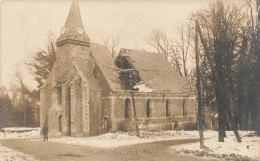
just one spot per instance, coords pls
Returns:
(106, 64)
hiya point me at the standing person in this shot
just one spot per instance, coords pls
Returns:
(175, 125)
(45, 131)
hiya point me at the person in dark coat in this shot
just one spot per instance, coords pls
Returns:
(175, 125)
(45, 131)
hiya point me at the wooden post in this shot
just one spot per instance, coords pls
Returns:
(200, 118)
(132, 79)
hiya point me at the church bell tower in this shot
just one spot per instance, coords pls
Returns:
(73, 31)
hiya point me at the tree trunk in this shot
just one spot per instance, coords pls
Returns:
(233, 124)
(221, 123)
(220, 94)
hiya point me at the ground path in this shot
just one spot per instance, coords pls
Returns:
(50, 151)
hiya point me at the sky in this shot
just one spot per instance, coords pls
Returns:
(25, 24)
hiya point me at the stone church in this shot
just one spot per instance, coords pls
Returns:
(90, 93)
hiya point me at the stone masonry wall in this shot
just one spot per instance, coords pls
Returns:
(95, 114)
(158, 119)
(76, 110)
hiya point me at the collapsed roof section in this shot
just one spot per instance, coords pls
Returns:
(154, 71)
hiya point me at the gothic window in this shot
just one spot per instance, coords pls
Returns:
(127, 110)
(167, 108)
(148, 108)
(60, 94)
(184, 107)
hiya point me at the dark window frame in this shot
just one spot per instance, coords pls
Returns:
(184, 107)
(148, 108)
(167, 108)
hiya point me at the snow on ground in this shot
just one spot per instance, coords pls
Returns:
(248, 149)
(118, 139)
(230, 149)
(7, 154)
(19, 133)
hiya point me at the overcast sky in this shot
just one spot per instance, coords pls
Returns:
(26, 23)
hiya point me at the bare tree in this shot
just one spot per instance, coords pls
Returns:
(164, 45)
(113, 42)
(106, 41)
(182, 42)
(221, 36)
(175, 48)
(254, 85)
(23, 91)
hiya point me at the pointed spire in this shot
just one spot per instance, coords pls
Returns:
(73, 29)
(74, 17)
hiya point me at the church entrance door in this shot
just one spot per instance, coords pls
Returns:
(106, 125)
(60, 123)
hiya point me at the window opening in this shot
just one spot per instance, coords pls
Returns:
(148, 110)
(167, 108)
(184, 108)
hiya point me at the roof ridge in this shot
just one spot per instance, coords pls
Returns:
(139, 50)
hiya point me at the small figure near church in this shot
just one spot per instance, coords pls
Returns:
(45, 131)
(175, 125)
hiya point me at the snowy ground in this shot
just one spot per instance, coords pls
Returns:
(230, 149)
(19, 133)
(7, 154)
(248, 149)
(118, 139)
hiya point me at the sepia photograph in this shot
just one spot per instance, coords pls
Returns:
(129, 80)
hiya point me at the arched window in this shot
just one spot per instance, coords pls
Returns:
(167, 108)
(127, 108)
(148, 110)
(184, 108)
(59, 89)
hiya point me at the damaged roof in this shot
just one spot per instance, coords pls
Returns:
(156, 72)
(106, 64)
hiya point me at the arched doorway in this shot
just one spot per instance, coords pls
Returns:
(60, 123)
(106, 128)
